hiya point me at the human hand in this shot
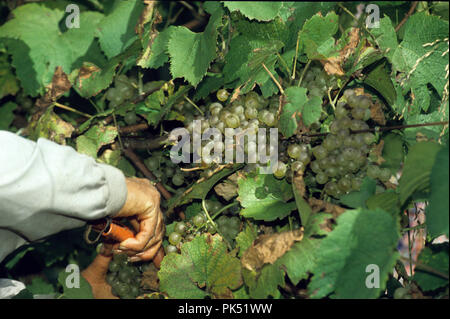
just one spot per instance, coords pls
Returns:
(142, 205)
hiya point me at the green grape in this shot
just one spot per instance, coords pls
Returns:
(189, 237)
(340, 112)
(122, 289)
(174, 238)
(114, 266)
(324, 163)
(215, 108)
(130, 118)
(252, 102)
(269, 119)
(352, 101)
(298, 166)
(222, 95)
(345, 184)
(384, 174)
(122, 259)
(367, 115)
(315, 167)
(352, 166)
(152, 163)
(373, 171)
(124, 277)
(232, 121)
(251, 113)
(340, 160)
(304, 157)
(111, 94)
(210, 229)
(358, 113)
(213, 120)
(356, 184)
(341, 134)
(334, 127)
(171, 249)
(198, 220)
(331, 171)
(319, 152)
(364, 101)
(331, 188)
(357, 141)
(224, 114)
(178, 179)
(294, 151)
(280, 170)
(330, 142)
(349, 153)
(344, 123)
(237, 109)
(110, 278)
(348, 141)
(134, 291)
(321, 178)
(180, 228)
(262, 114)
(368, 138)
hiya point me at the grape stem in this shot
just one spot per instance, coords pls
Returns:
(214, 224)
(303, 73)
(273, 78)
(224, 208)
(407, 15)
(68, 108)
(193, 104)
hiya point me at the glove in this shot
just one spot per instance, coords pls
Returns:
(142, 205)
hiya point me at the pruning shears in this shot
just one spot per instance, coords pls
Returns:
(109, 229)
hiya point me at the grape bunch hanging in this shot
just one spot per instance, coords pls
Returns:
(124, 277)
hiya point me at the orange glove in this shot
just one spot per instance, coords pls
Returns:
(142, 204)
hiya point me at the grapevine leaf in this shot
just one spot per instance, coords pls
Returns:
(97, 136)
(8, 82)
(435, 257)
(126, 167)
(51, 127)
(386, 37)
(437, 210)
(7, 115)
(393, 152)
(39, 286)
(312, 110)
(204, 263)
(190, 52)
(264, 197)
(296, 98)
(174, 279)
(246, 237)
(116, 30)
(349, 249)
(417, 170)
(261, 11)
(265, 283)
(358, 198)
(421, 53)
(38, 46)
(159, 55)
(387, 201)
(380, 81)
(300, 259)
(317, 36)
(84, 291)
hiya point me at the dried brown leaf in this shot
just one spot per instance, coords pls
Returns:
(266, 249)
(318, 205)
(377, 114)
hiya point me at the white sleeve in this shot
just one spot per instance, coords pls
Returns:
(46, 188)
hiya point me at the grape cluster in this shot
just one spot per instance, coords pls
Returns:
(342, 159)
(247, 112)
(317, 81)
(185, 231)
(165, 170)
(124, 277)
